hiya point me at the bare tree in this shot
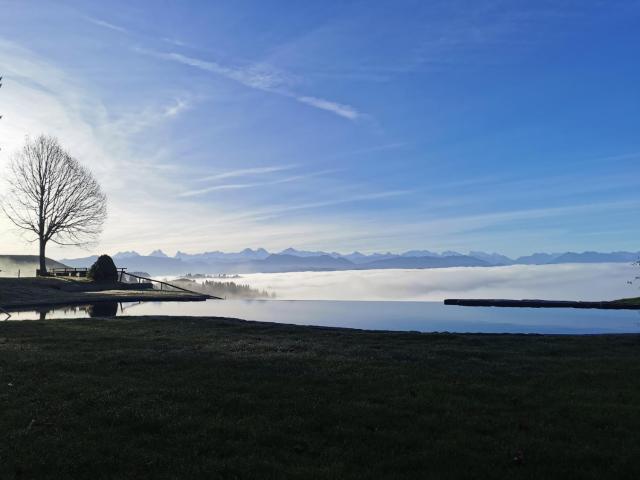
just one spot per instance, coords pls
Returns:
(53, 197)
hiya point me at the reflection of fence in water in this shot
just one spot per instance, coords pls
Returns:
(130, 305)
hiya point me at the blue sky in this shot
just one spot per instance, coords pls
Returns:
(507, 126)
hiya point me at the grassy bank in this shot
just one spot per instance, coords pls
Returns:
(195, 398)
(21, 292)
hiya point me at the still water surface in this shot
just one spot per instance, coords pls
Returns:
(416, 316)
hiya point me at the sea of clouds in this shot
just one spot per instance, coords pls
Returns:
(555, 282)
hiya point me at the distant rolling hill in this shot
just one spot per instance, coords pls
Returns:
(427, 262)
(27, 264)
(293, 263)
(596, 257)
(537, 259)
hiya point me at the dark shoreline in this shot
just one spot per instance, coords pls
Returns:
(605, 305)
(24, 293)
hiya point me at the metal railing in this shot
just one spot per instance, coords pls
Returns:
(170, 285)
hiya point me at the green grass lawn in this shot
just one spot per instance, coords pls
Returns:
(213, 398)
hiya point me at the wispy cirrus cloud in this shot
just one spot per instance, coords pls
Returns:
(178, 107)
(244, 172)
(237, 186)
(102, 23)
(339, 109)
(215, 188)
(259, 77)
(254, 76)
(349, 199)
(279, 210)
(176, 42)
(140, 119)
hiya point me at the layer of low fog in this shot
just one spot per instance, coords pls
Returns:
(554, 282)
(9, 268)
(25, 265)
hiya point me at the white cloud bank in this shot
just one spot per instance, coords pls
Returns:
(553, 282)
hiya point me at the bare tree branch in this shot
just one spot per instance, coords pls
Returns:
(53, 196)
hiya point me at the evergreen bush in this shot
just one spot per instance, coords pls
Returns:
(104, 270)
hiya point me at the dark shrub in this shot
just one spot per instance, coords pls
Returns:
(104, 270)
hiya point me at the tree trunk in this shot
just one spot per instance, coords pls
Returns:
(43, 263)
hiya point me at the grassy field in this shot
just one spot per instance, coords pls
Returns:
(218, 398)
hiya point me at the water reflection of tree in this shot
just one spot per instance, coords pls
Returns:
(98, 309)
(103, 309)
(66, 310)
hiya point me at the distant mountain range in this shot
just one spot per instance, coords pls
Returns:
(292, 260)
